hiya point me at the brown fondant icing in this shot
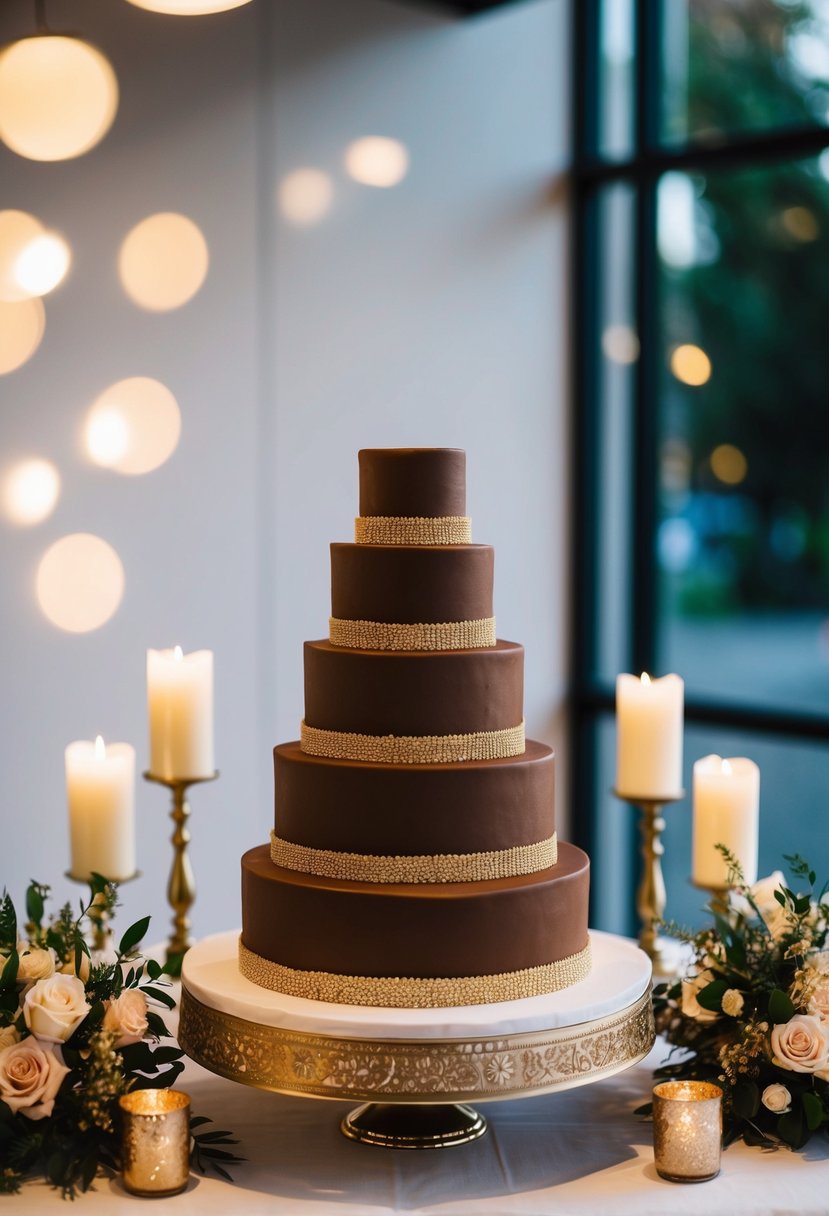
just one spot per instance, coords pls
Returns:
(411, 584)
(417, 930)
(412, 481)
(414, 693)
(387, 809)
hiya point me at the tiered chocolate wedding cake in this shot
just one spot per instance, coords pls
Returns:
(414, 859)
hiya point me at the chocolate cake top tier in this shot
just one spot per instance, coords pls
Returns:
(429, 482)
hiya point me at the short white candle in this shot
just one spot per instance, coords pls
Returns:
(649, 736)
(726, 811)
(180, 700)
(100, 789)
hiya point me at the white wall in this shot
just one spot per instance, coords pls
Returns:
(432, 313)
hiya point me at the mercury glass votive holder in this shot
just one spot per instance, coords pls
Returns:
(155, 1141)
(687, 1130)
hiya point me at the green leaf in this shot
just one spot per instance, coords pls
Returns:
(813, 1110)
(158, 994)
(781, 1008)
(746, 1099)
(166, 1055)
(8, 976)
(792, 1129)
(134, 935)
(34, 902)
(780, 897)
(710, 997)
(89, 1168)
(154, 969)
(8, 923)
(163, 1080)
(155, 1024)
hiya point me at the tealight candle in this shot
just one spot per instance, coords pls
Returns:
(100, 790)
(649, 717)
(155, 1141)
(726, 811)
(687, 1130)
(180, 700)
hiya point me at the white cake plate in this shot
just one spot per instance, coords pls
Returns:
(416, 1068)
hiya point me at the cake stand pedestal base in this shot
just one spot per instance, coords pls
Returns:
(433, 1126)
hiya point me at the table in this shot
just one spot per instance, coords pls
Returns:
(579, 1153)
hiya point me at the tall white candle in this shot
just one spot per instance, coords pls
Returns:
(180, 700)
(100, 789)
(726, 811)
(649, 736)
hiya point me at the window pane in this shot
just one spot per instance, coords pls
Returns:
(733, 66)
(616, 79)
(743, 542)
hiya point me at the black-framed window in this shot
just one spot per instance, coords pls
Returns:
(701, 408)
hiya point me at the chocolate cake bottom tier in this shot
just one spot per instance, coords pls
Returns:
(415, 944)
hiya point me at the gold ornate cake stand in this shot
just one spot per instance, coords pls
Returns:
(416, 1089)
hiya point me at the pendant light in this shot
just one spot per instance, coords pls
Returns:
(58, 94)
(188, 8)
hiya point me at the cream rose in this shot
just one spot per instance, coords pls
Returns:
(55, 1007)
(126, 1016)
(774, 915)
(801, 1045)
(30, 1077)
(69, 968)
(8, 1036)
(691, 985)
(777, 1099)
(732, 1002)
(35, 963)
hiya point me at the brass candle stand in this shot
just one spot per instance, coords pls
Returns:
(719, 898)
(97, 914)
(181, 888)
(650, 895)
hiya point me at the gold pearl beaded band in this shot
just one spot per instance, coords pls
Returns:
(424, 868)
(378, 635)
(391, 992)
(412, 749)
(412, 530)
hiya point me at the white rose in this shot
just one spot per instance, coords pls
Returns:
(801, 1045)
(691, 1007)
(35, 964)
(30, 1077)
(777, 1099)
(8, 1036)
(773, 914)
(732, 1002)
(55, 1007)
(126, 1016)
(819, 1000)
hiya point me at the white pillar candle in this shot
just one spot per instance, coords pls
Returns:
(100, 789)
(726, 811)
(180, 700)
(649, 736)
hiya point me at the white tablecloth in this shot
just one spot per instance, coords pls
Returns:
(578, 1153)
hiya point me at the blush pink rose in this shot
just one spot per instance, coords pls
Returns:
(30, 1077)
(801, 1045)
(126, 1016)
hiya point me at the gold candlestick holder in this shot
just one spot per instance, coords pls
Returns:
(97, 914)
(651, 896)
(181, 887)
(719, 898)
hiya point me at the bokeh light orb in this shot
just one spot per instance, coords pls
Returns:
(376, 160)
(22, 325)
(58, 97)
(80, 582)
(30, 491)
(620, 344)
(18, 230)
(305, 196)
(133, 426)
(188, 8)
(163, 261)
(729, 464)
(690, 364)
(42, 264)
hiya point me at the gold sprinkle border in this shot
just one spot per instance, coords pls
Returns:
(412, 530)
(443, 635)
(423, 868)
(407, 992)
(413, 749)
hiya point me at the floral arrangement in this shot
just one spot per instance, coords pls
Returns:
(76, 1033)
(752, 1012)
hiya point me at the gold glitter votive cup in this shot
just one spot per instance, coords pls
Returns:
(156, 1141)
(687, 1130)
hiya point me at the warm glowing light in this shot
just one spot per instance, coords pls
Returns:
(80, 582)
(22, 323)
(42, 264)
(163, 261)
(100, 748)
(30, 491)
(188, 8)
(305, 196)
(18, 230)
(178, 654)
(133, 426)
(58, 97)
(690, 364)
(801, 223)
(726, 768)
(620, 344)
(645, 678)
(729, 464)
(377, 161)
